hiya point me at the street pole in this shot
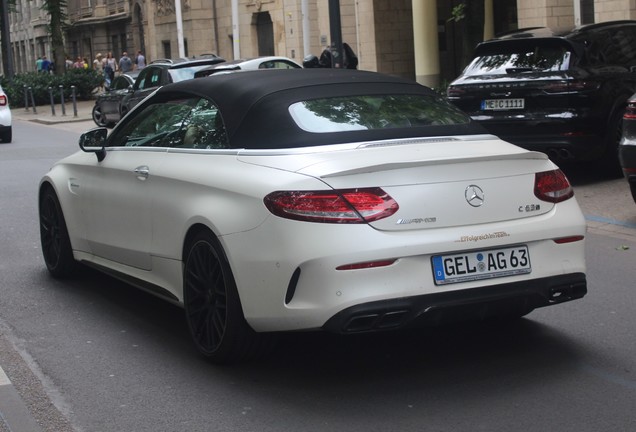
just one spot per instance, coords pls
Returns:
(335, 28)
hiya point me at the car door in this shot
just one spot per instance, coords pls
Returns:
(111, 100)
(118, 209)
(148, 80)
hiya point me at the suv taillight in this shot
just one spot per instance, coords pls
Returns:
(336, 206)
(552, 186)
(570, 86)
(3, 100)
(630, 110)
(454, 92)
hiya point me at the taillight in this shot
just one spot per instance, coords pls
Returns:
(3, 100)
(552, 186)
(570, 86)
(630, 111)
(453, 92)
(335, 206)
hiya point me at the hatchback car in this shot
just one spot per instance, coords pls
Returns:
(267, 62)
(6, 128)
(106, 109)
(559, 92)
(162, 72)
(627, 148)
(310, 199)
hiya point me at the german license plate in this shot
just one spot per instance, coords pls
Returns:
(477, 265)
(503, 104)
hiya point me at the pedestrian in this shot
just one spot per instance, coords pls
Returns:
(85, 63)
(125, 64)
(68, 63)
(110, 61)
(140, 60)
(38, 64)
(97, 63)
(78, 63)
(46, 65)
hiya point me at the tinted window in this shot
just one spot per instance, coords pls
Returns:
(339, 114)
(520, 58)
(277, 64)
(183, 123)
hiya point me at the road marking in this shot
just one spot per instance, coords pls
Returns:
(4, 379)
(610, 221)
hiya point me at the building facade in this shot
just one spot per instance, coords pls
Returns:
(416, 39)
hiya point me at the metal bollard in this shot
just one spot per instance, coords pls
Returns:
(62, 100)
(74, 101)
(52, 101)
(26, 99)
(32, 100)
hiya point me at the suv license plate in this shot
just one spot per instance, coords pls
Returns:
(503, 104)
(476, 265)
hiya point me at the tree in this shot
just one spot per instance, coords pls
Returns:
(5, 7)
(469, 14)
(56, 10)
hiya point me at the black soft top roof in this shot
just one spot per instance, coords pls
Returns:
(254, 104)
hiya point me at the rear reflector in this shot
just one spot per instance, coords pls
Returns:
(333, 206)
(366, 265)
(3, 100)
(570, 239)
(552, 186)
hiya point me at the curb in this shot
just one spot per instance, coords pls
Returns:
(14, 414)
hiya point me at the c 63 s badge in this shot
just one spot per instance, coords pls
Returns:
(528, 208)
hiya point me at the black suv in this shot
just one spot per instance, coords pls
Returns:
(162, 72)
(559, 92)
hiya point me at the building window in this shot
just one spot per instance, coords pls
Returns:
(167, 53)
(587, 11)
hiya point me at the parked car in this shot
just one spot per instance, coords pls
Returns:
(106, 109)
(267, 62)
(6, 128)
(559, 92)
(309, 199)
(161, 72)
(627, 148)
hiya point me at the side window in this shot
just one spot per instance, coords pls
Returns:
(141, 79)
(276, 64)
(178, 123)
(204, 128)
(157, 125)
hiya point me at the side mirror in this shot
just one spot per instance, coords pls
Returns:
(94, 141)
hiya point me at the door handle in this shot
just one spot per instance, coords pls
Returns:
(142, 172)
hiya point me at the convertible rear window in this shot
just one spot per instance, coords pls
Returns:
(367, 112)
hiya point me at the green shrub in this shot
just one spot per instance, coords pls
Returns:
(84, 80)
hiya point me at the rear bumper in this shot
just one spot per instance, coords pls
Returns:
(559, 140)
(441, 308)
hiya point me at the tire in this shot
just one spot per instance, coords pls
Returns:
(7, 135)
(98, 116)
(212, 305)
(632, 188)
(56, 245)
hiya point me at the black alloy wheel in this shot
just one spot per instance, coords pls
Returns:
(98, 116)
(56, 245)
(212, 305)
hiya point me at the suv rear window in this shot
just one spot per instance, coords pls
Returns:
(505, 58)
(340, 114)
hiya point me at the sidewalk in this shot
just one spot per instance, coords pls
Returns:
(82, 111)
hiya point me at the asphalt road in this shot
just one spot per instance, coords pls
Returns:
(92, 354)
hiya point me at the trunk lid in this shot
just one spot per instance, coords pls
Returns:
(437, 183)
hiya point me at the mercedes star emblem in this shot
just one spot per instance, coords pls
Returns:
(474, 195)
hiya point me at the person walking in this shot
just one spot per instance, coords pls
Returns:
(46, 65)
(140, 60)
(125, 64)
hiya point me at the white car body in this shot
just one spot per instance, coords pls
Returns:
(6, 127)
(131, 210)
